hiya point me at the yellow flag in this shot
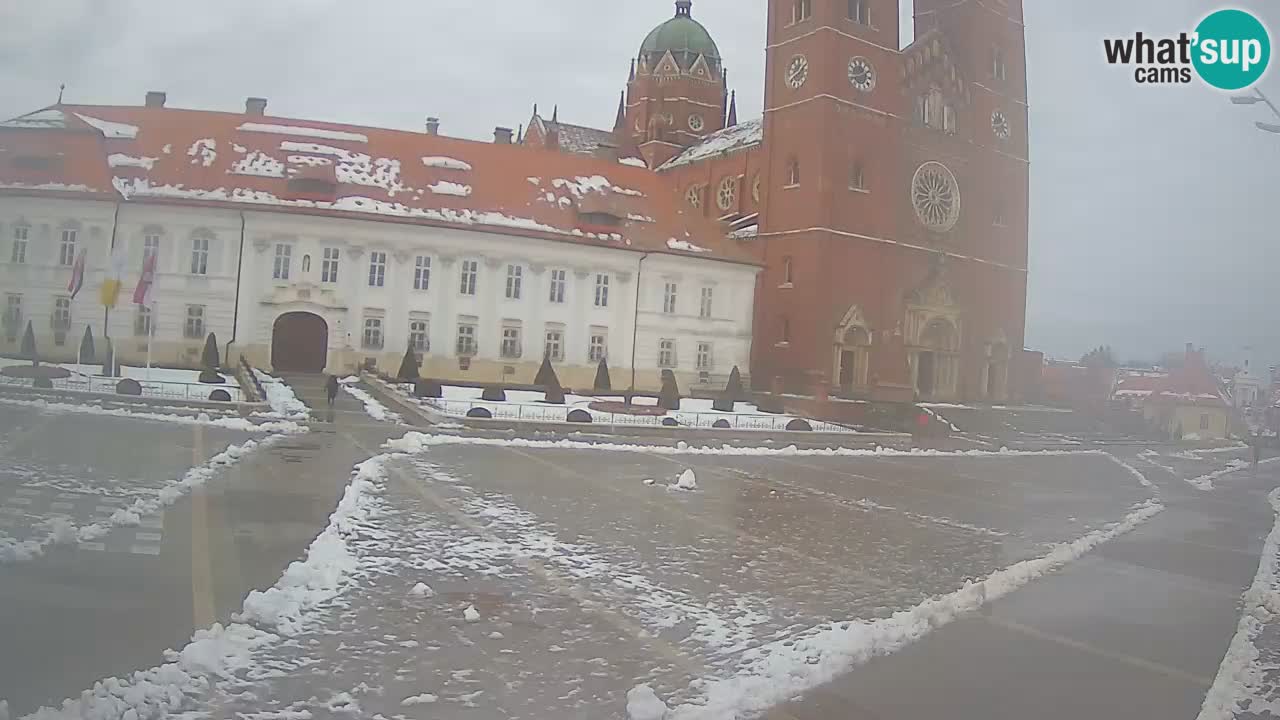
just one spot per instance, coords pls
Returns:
(114, 278)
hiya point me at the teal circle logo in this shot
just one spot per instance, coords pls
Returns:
(1232, 49)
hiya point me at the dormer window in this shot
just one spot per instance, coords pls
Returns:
(311, 186)
(599, 218)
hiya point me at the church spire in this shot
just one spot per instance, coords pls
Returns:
(733, 110)
(555, 114)
(620, 122)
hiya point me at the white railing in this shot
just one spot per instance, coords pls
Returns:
(150, 388)
(526, 412)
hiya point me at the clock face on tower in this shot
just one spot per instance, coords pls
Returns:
(797, 72)
(1000, 125)
(861, 75)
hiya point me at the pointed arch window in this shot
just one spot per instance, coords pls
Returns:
(793, 172)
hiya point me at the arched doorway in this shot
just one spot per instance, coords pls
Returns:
(936, 361)
(299, 343)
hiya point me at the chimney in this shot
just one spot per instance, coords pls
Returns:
(502, 135)
(255, 106)
(433, 126)
(155, 99)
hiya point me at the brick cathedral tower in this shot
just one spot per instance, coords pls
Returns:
(676, 93)
(879, 281)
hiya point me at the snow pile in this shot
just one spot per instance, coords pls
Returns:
(1142, 479)
(47, 186)
(1205, 482)
(284, 403)
(444, 187)
(111, 130)
(447, 163)
(422, 590)
(634, 162)
(259, 164)
(417, 442)
(203, 151)
(122, 160)
(928, 410)
(686, 481)
(685, 246)
(228, 423)
(322, 574)
(1244, 682)
(376, 410)
(303, 132)
(471, 614)
(788, 666)
(643, 704)
(423, 699)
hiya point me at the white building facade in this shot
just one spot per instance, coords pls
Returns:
(310, 293)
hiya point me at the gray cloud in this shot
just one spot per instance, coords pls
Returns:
(1148, 225)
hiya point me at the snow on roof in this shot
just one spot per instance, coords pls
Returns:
(578, 138)
(299, 131)
(686, 246)
(47, 118)
(744, 233)
(634, 162)
(393, 175)
(739, 136)
(445, 162)
(111, 130)
(121, 160)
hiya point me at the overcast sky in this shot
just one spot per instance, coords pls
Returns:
(1147, 203)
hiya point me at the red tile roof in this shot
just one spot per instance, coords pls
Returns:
(1191, 384)
(149, 154)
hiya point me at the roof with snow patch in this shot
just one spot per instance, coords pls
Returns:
(730, 139)
(156, 154)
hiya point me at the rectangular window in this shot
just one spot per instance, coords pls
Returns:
(142, 321)
(372, 338)
(860, 11)
(602, 290)
(377, 269)
(67, 250)
(669, 299)
(194, 328)
(200, 256)
(419, 336)
(1204, 421)
(422, 273)
(284, 258)
(511, 346)
(19, 254)
(704, 307)
(666, 353)
(470, 269)
(599, 347)
(998, 70)
(515, 278)
(857, 177)
(554, 348)
(704, 357)
(786, 271)
(801, 10)
(12, 314)
(466, 339)
(61, 320)
(557, 286)
(329, 267)
(150, 245)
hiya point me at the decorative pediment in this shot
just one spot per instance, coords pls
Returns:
(667, 65)
(701, 70)
(853, 320)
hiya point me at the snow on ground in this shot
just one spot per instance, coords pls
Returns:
(376, 410)
(229, 423)
(284, 403)
(1205, 482)
(1246, 679)
(222, 656)
(153, 380)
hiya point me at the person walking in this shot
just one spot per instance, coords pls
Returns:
(1257, 450)
(331, 389)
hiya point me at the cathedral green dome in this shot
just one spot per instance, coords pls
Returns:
(683, 37)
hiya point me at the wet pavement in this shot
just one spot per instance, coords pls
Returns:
(589, 574)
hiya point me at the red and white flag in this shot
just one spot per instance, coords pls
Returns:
(77, 274)
(142, 293)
